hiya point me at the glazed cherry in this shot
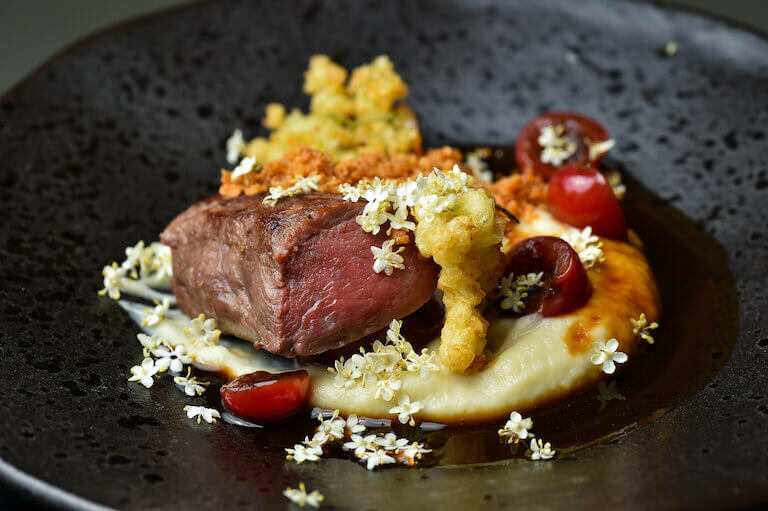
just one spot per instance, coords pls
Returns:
(263, 396)
(566, 285)
(569, 136)
(581, 196)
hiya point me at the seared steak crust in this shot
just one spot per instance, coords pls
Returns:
(296, 278)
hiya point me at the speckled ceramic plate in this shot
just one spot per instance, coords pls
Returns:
(106, 143)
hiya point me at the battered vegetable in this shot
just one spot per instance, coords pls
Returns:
(465, 242)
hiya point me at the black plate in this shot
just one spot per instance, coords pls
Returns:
(105, 144)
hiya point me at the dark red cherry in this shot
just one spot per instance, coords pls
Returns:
(566, 286)
(578, 129)
(581, 196)
(263, 396)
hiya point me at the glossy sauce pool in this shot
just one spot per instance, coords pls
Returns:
(698, 329)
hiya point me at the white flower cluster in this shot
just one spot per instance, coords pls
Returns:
(422, 198)
(373, 450)
(159, 356)
(641, 327)
(514, 290)
(384, 366)
(147, 265)
(555, 146)
(588, 246)
(518, 428)
(385, 260)
(541, 450)
(302, 185)
(475, 162)
(203, 331)
(154, 316)
(301, 498)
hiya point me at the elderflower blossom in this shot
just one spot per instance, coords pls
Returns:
(359, 444)
(332, 426)
(421, 363)
(605, 354)
(245, 166)
(516, 428)
(157, 314)
(148, 343)
(347, 372)
(386, 389)
(614, 179)
(301, 453)
(541, 450)
(384, 365)
(190, 384)
(598, 149)
(301, 185)
(202, 413)
(144, 373)
(353, 424)
(154, 268)
(173, 358)
(301, 498)
(515, 289)
(375, 458)
(405, 410)
(556, 146)
(113, 280)
(390, 442)
(235, 145)
(384, 259)
(318, 440)
(588, 246)
(641, 327)
(203, 331)
(475, 162)
(422, 198)
(410, 453)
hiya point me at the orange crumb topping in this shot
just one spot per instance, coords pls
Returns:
(519, 193)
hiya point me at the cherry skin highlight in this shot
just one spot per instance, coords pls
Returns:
(263, 396)
(581, 196)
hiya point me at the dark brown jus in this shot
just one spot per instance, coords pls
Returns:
(566, 285)
(264, 397)
(296, 278)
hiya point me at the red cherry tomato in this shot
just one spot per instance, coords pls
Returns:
(576, 129)
(263, 396)
(566, 285)
(581, 196)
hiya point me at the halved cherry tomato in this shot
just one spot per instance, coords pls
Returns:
(263, 396)
(566, 285)
(577, 129)
(581, 196)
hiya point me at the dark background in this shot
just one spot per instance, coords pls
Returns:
(31, 31)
